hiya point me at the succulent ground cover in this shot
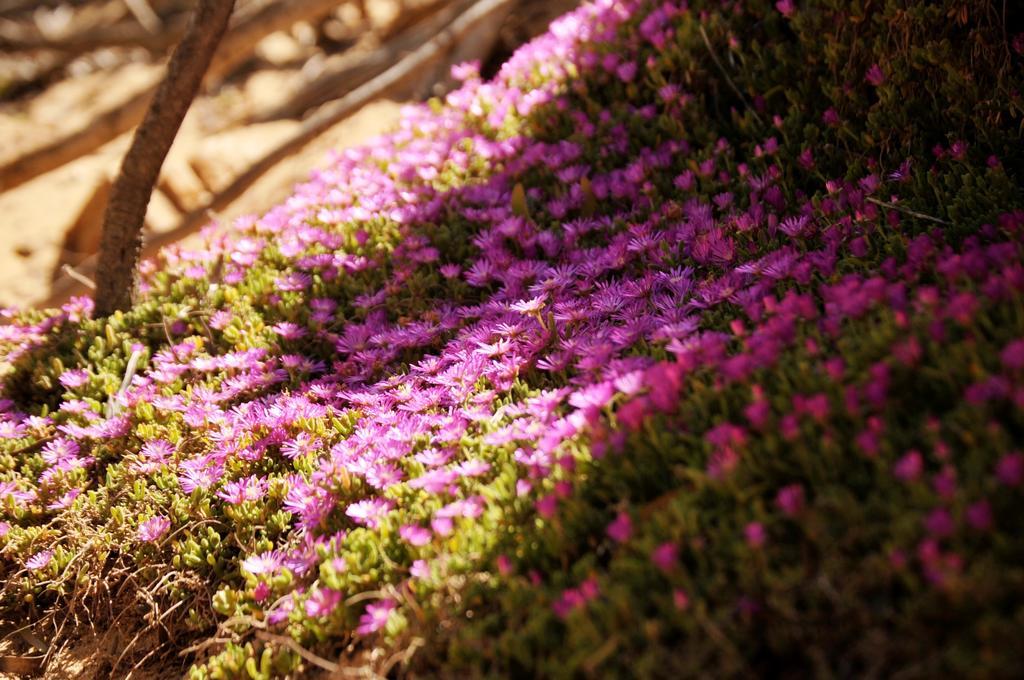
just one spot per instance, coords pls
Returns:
(692, 343)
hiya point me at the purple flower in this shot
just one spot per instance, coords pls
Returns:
(369, 512)
(239, 491)
(755, 534)
(65, 501)
(157, 450)
(39, 560)
(621, 528)
(450, 271)
(473, 467)
(1010, 469)
(74, 378)
(283, 609)
(435, 481)
(875, 75)
(261, 592)
(420, 569)
(152, 529)
(547, 505)
(909, 467)
(467, 70)
(295, 281)
(376, 616)
(666, 556)
(321, 602)
(263, 563)
(289, 331)
(939, 523)
(531, 306)
(979, 515)
(198, 473)
(790, 500)
(414, 534)
(569, 601)
(626, 72)
(1012, 355)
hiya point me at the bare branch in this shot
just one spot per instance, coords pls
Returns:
(122, 223)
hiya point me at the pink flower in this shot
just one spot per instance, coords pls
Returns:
(757, 412)
(570, 600)
(547, 505)
(39, 560)
(790, 500)
(420, 569)
(806, 159)
(261, 591)
(816, 406)
(239, 491)
(626, 72)
(1012, 355)
(288, 330)
(665, 381)
(450, 271)
(376, 617)
(369, 512)
(74, 379)
(322, 602)
(414, 534)
(755, 534)
(467, 70)
(157, 450)
(875, 75)
(939, 523)
(473, 467)
(680, 599)
(442, 526)
(151, 530)
(909, 467)
(665, 556)
(1010, 469)
(64, 501)
(786, 7)
(531, 306)
(621, 528)
(979, 515)
(435, 481)
(263, 563)
(590, 589)
(944, 482)
(295, 281)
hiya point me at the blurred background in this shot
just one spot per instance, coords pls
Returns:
(292, 79)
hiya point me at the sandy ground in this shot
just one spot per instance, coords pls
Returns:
(54, 219)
